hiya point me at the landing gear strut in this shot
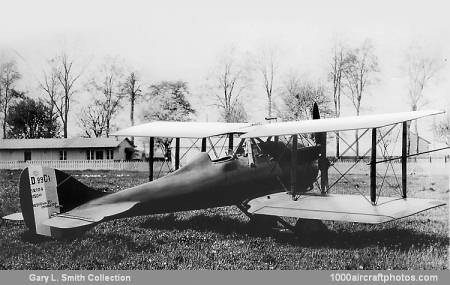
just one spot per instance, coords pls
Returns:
(304, 227)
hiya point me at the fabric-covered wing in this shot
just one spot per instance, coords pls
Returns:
(182, 129)
(347, 208)
(335, 124)
(207, 129)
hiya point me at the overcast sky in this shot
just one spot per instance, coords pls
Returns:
(171, 40)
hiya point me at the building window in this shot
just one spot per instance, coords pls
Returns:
(62, 155)
(99, 154)
(90, 155)
(109, 154)
(27, 155)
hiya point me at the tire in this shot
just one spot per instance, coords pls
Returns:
(308, 227)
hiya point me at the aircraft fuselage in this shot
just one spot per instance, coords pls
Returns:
(205, 183)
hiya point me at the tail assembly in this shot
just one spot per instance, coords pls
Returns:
(46, 192)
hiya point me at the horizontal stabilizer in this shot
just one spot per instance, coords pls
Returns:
(87, 215)
(14, 217)
(68, 222)
(346, 208)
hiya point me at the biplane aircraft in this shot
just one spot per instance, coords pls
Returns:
(263, 176)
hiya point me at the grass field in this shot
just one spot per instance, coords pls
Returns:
(223, 238)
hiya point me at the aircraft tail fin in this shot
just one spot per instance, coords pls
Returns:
(46, 192)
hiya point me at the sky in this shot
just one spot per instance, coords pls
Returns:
(182, 40)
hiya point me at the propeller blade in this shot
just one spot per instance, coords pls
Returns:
(321, 140)
(315, 113)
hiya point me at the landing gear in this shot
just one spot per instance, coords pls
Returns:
(264, 221)
(259, 221)
(307, 227)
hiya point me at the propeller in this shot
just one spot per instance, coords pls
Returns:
(321, 140)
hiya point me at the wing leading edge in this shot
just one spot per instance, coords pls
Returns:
(336, 124)
(183, 129)
(346, 208)
(248, 130)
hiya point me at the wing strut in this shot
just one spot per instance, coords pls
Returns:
(404, 156)
(177, 153)
(203, 144)
(230, 143)
(294, 166)
(373, 168)
(151, 154)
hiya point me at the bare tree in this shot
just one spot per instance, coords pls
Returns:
(229, 81)
(108, 83)
(299, 96)
(338, 66)
(236, 114)
(441, 128)
(8, 77)
(362, 64)
(420, 70)
(50, 85)
(62, 70)
(93, 120)
(266, 64)
(132, 89)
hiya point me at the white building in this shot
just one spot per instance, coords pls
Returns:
(66, 149)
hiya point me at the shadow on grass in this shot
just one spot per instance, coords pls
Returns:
(350, 236)
(67, 235)
(340, 236)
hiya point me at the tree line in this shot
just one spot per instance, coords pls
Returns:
(110, 87)
(352, 71)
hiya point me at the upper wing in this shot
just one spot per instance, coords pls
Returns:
(335, 124)
(182, 129)
(207, 129)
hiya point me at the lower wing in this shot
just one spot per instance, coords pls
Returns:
(347, 208)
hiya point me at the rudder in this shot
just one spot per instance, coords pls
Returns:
(45, 192)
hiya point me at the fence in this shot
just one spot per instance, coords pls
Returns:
(82, 164)
(143, 165)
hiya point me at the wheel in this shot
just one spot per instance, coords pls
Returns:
(263, 221)
(309, 227)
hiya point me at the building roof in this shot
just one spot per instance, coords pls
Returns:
(61, 143)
